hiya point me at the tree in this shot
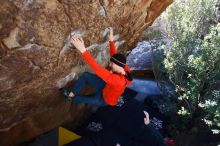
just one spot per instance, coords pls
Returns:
(193, 57)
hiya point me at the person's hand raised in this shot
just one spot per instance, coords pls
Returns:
(78, 43)
(110, 34)
(146, 119)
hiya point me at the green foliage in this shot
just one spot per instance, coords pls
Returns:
(211, 106)
(193, 58)
(151, 34)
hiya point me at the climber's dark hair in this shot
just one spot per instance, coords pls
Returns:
(129, 75)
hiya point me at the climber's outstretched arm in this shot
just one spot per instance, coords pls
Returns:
(111, 42)
(100, 71)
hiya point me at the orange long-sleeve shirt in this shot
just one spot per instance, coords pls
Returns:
(115, 83)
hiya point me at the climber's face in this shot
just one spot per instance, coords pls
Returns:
(114, 67)
(110, 65)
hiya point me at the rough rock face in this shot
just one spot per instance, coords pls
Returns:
(140, 57)
(36, 56)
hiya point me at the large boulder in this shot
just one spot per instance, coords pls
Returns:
(36, 58)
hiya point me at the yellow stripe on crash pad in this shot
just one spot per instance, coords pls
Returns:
(66, 136)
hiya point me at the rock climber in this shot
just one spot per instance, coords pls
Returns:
(108, 84)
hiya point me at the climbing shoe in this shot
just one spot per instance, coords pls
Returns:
(65, 93)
